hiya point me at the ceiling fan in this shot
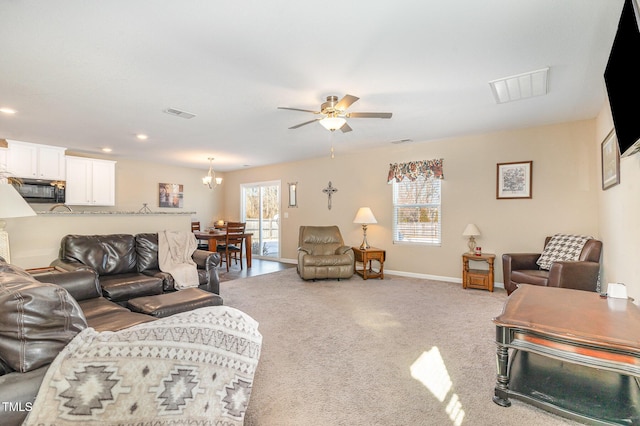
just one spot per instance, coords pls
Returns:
(333, 113)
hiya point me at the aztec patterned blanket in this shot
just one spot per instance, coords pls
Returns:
(191, 368)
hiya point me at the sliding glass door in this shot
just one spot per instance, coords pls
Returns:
(261, 211)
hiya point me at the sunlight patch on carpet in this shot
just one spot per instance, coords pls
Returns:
(430, 370)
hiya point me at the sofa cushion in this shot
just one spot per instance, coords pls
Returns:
(106, 254)
(122, 287)
(147, 251)
(37, 319)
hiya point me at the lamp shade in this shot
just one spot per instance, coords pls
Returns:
(365, 215)
(12, 204)
(471, 231)
(332, 123)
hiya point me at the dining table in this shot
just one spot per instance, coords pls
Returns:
(215, 235)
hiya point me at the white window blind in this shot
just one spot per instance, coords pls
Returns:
(417, 211)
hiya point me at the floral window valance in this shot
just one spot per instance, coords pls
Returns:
(413, 169)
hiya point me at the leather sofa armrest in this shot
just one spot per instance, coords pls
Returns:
(67, 266)
(206, 259)
(575, 274)
(514, 262)
(520, 261)
(304, 250)
(82, 284)
(209, 261)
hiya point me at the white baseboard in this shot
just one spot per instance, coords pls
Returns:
(406, 274)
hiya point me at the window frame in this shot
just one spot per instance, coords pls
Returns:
(426, 239)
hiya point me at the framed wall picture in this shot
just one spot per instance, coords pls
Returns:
(514, 180)
(170, 195)
(610, 161)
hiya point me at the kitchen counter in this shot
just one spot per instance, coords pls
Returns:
(106, 212)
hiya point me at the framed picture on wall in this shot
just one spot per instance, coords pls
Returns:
(170, 195)
(610, 161)
(514, 180)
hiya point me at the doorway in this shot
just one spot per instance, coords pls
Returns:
(261, 211)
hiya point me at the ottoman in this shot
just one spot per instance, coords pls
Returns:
(163, 305)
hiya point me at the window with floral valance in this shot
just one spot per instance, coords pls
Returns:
(417, 212)
(413, 169)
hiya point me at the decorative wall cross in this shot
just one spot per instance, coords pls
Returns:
(329, 190)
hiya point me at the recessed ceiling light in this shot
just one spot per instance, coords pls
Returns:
(8, 110)
(106, 150)
(142, 136)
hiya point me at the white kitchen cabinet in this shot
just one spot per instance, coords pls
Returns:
(34, 161)
(90, 182)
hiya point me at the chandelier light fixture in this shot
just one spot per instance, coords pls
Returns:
(210, 179)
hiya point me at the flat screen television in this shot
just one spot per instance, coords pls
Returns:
(622, 80)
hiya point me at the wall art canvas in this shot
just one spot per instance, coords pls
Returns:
(171, 195)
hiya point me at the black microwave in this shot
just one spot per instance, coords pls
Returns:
(41, 191)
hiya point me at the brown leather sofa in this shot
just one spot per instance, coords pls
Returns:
(127, 265)
(521, 268)
(38, 319)
(322, 254)
(39, 315)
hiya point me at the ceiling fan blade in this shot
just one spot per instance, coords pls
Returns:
(346, 102)
(298, 109)
(369, 115)
(305, 123)
(346, 128)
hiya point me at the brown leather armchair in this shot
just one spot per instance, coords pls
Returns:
(322, 254)
(521, 268)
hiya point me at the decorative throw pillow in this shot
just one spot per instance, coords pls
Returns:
(562, 247)
(38, 319)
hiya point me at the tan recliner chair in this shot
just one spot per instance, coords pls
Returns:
(322, 254)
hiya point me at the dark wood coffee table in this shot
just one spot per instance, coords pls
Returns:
(570, 352)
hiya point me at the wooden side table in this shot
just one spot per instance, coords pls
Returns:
(477, 278)
(366, 257)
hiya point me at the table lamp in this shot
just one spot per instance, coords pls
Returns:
(472, 232)
(364, 216)
(11, 205)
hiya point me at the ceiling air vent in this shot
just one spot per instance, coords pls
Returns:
(400, 141)
(521, 86)
(179, 113)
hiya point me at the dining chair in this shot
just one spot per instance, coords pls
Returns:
(232, 247)
(202, 244)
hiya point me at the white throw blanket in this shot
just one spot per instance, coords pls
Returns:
(175, 251)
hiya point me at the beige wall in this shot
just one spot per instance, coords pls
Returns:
(619, 210)
(35, 240)
(565, 194)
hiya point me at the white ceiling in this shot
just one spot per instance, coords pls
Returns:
(91, 74)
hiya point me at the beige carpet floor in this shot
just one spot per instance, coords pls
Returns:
(398, 351)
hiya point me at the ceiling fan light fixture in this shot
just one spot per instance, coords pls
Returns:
(332, 123)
